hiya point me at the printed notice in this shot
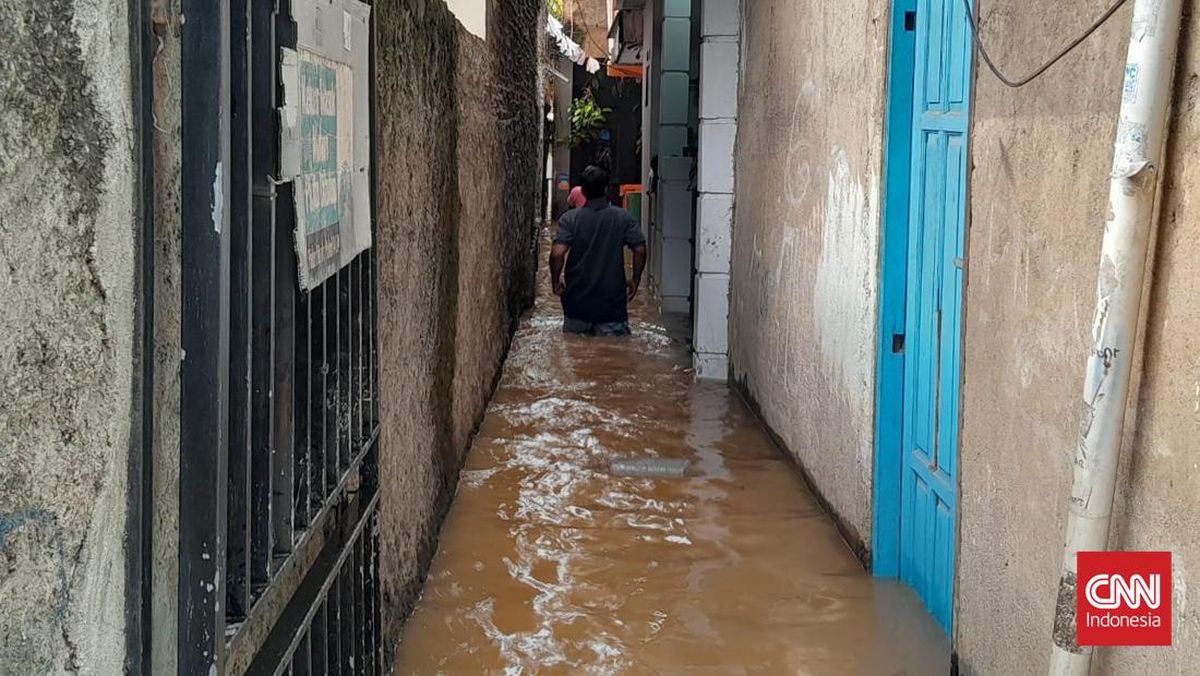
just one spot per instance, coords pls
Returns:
(324, 139)
(324, 183)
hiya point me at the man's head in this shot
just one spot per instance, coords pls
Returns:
(594, 181)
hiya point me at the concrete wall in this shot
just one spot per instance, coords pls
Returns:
(67, 261)
(459, 171)
(719, 53)
(1039, 187)
(673, 222)
(806, 232)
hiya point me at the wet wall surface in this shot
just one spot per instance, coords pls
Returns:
(550, 562)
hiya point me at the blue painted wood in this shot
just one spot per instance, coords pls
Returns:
(933, 305)
(889, 381)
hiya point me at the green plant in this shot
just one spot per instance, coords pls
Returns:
(587, 118)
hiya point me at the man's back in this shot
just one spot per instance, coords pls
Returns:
(597, 235)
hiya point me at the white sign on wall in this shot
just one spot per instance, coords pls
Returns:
(325, 137)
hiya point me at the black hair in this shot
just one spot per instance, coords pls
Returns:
(594, 181)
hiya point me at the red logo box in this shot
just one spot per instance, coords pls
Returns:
(1123, 598)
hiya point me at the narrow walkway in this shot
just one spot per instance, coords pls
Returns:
(549, 563)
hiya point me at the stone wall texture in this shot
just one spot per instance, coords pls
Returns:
(67, 260)
(1039, 189)
(802, 309)
(459, 171)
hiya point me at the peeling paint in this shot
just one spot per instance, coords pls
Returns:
(218, 200)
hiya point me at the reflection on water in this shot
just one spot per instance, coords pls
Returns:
(551, 562)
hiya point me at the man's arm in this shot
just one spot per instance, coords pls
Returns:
(558, 259)
(639, 265)
(637, 242)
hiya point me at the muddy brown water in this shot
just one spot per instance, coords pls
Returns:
(551, 562)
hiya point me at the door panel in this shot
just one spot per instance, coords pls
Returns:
(933, 304)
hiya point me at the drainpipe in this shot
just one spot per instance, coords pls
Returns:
(1137, 152)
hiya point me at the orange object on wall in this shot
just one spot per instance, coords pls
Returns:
(628, 71)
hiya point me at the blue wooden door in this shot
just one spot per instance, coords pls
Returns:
(933, 307)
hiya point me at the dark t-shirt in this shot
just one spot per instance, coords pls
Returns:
(597, 234)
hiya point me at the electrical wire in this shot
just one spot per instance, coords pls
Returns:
(987, 58)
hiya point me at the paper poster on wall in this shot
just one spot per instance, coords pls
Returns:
(324, 139)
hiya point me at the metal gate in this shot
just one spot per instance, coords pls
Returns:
(278, 529)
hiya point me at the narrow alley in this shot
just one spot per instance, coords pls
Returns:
(559, 553)
(912, 388)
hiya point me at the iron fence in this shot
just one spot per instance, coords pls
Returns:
(279, 410)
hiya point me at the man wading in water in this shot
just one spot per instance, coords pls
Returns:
(590, 244)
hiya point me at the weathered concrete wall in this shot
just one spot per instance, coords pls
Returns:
(459, 173)
(1041, 158)
(805, 236)
(67, 253)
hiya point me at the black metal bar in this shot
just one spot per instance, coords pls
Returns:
(302, 660)
(334, 363)
(237, 564)
(349, 602)
(204, 369)
(319, 640)
(373, 348)
(368, 582)
(334, 617)
(140, 522)
(320, 375)
(329, 386)
(305, 414)
(343, 366)
(287, 292)
(360, 604)
(265, 143)
(302, 444)
(360, 435)
(287, 288)
(376, 605)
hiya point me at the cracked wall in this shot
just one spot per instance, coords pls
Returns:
(1039, 189)
(459, 178)
(67, 257)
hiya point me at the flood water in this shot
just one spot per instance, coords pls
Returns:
(553, 561)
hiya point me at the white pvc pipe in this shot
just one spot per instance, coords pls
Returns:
(1137, 153)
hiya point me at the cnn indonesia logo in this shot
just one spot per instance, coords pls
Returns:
(1123, 598)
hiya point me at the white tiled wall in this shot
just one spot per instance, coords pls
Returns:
(718, 131)
(714, 230)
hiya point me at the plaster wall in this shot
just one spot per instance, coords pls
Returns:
(806, 228)
(67, 282)
(458, 175)
(1041, 157)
